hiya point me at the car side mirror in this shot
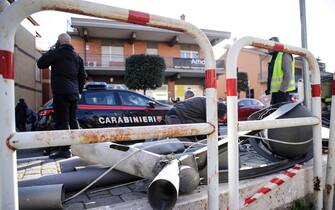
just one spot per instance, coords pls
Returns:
(152, 104)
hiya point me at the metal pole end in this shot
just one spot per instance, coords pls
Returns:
(213, 128)
(8, 142)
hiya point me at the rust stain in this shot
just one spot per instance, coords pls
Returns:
(90, 138)
(116, 134)
(8, 142)
(167, 27)
(316, 183)
(216, 174)
(328, 188)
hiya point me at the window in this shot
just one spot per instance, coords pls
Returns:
(37, 74)
(99, 98)
(189, 54)
(152, 51)
(116, 54)
(111, 54)
(133, 99)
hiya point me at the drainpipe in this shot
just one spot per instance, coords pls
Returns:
(85, 36)
(305, 68)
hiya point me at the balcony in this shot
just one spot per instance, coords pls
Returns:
(115, 64)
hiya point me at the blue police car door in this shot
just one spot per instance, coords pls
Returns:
(95, 106)
(115, 108)
(140, 110)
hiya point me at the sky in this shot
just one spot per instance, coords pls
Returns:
(258, 18)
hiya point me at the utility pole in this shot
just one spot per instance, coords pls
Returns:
(305, 68)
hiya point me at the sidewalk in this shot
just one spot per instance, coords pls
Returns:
(89, 199)
(132, 196)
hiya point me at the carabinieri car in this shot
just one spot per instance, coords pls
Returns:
(102, 105)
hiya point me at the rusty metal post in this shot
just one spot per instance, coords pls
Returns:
(29, 140)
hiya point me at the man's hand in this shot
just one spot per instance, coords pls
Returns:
(267, 92)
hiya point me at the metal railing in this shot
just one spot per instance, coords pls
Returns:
(234, 126)
(11, 17)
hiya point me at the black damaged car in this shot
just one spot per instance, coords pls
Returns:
(102, 105)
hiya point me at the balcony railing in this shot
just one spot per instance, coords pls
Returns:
(110, 61)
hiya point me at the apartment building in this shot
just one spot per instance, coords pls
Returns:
(28, 81)
(104, 46)
(26, 76)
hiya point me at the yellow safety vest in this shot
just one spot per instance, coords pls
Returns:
(327, 100)
(277, 75)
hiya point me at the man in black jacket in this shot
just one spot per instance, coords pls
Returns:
(192, 110)
(67, 82)
(21, 115)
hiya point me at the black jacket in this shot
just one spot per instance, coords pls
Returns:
(193, 110)
(21, 112)
(67, 70)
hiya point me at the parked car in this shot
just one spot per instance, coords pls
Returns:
(103, 105)
(246, 107)
(294, 96)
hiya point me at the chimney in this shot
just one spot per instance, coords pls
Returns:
(182, 17)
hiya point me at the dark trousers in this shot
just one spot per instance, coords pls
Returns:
(279, 97)
(21, 126)
(65, 107)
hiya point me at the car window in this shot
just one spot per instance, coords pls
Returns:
(99, 98)
(254, 103)
(257, 103)
(133, 99)
(244, 103)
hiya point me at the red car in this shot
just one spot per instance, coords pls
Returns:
(246, 107)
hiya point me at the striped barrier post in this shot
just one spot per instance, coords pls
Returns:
(232, 128)
(8, 178)
(330, 174)
(10, 19)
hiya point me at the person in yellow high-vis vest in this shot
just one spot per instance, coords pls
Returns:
(281, 78)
